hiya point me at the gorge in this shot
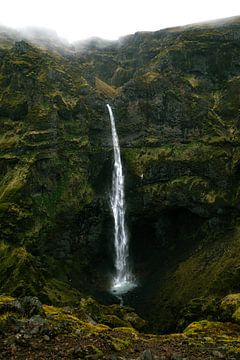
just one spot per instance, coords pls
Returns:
(176, 97)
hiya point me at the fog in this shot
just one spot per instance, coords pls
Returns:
(110, 19)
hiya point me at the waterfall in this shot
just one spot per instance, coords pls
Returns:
(123, 280)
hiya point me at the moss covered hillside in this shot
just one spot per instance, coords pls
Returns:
(175, 94)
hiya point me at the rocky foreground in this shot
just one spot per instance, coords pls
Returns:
(30, 330)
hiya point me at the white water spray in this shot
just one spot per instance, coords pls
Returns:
(123, 280)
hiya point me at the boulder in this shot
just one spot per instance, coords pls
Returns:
(31, 305)
(230, 306)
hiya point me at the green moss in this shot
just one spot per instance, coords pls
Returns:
(120, 344)
(127, 330)
(150, 76)
(90, 306)
(113, 316)
(236, 315)
(14, 180)
(19, 271)
(106, 88)
(7, 315)
(114, 321)
(140, 160)
(8, 140)
(135, 320)
(229, 306)
(193, 81)
(61, 293)
(75, 319)
(212, 328)
(197, 267)
(4, 299)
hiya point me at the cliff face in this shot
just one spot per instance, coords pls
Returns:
(175, 95)
(48, 198)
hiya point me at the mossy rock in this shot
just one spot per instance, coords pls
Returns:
(212, 328)
(91, 307)
(9, 307)
(31, 306)
(135, 320)
(114, 321)
(75, 320)
(120, 344)
(112, 316)
(236, 315)
(60, 293)
(229, 306)
(128, 330)
(198, 309)
(19, 271)
(27, 305)
(5, 299)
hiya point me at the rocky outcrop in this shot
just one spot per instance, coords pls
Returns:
(70, 332)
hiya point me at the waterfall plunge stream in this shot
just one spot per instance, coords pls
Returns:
(123, 280)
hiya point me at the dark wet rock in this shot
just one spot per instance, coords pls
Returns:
(46, 338)
(12, 325)
(11, 306)
(36, 324)
(93, 357)
(113, 357)
(177, 357)
(14, 112)
(78, 352)
(22, 47)
(146, 355)
(31, 305)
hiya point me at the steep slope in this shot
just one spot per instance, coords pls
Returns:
(175, 95)
(48, 202)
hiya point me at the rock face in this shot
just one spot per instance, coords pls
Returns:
(175, 95)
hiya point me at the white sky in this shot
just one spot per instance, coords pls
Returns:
(109, 19)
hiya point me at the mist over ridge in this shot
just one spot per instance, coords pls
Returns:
(49, 39)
